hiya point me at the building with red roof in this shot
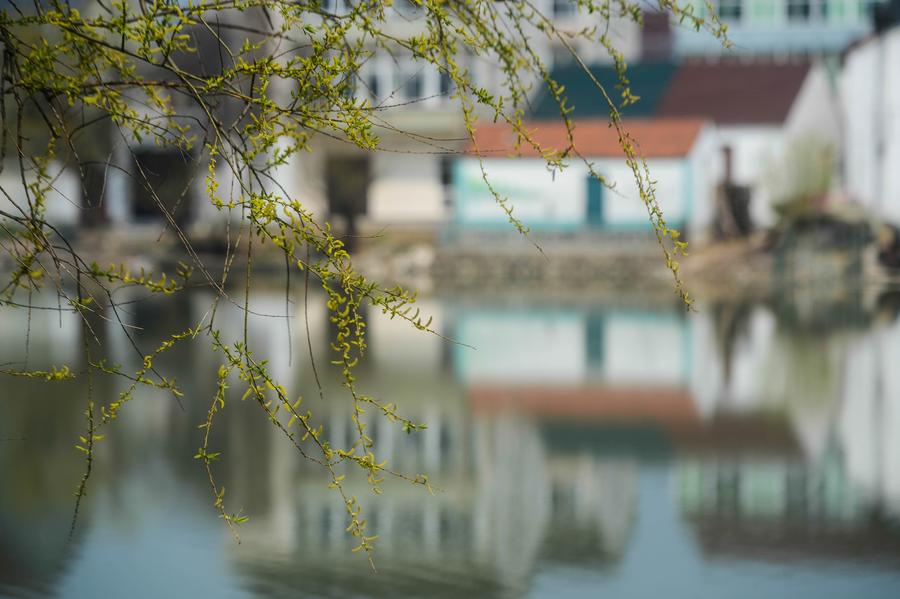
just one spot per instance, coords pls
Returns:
(572, 200)
(774, 124)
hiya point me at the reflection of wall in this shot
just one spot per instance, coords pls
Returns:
(522, 347)
(773, 489)
(832, 387)
(869, 416)
(727, 376)
(783, 510)
(503, 506)
(54, 335)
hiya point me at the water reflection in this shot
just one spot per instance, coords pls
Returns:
(585, 446)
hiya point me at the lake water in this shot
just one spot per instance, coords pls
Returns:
(587, 446)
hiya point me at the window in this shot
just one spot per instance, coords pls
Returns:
(348, 87)
(407, 9)
(412, 84)
(798, 10)
(730, 10)
(446, 168)
(372, 82)
(446, 84)
(762, 11)
(699, 8)
(867, 8)
(564, 8)
(335, 7)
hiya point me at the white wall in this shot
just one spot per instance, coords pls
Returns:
(705, 175)
(870, 99)
(755, 149)
(623, 205)
(759, 152)
(541, 199)
(406, 188)
(62, 203)
(538, 198)
(395, 343)
(816, 108)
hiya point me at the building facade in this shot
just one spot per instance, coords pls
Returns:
(572, 200)
(779, 27)
(870, 101)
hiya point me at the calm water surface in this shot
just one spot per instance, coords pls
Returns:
(598, 447)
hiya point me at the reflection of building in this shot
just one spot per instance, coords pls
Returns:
(572, 438)
(784, 510)
(504, 505)
(868, 417)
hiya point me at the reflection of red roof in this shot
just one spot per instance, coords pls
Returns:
(730, 91)
(594, 138)
(739, 433)
(671, 406)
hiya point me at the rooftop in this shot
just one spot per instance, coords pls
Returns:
(657, 138)
(727, 91)
(732, 92)
(648, 80)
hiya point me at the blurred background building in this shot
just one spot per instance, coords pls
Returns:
(800, 110)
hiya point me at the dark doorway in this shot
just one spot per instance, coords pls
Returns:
(347, 180)
(93, 212)
(594, 202)
(162, 179)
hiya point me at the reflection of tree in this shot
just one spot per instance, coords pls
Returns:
(822, 310)
(731, 321)
(803, 370)
(39, 469)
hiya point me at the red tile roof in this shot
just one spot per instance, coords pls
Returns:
(668, 405)
(657, 138)
(732, 92)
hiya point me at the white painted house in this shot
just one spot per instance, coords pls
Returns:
(870, 101)
(764, 112)
(678, 152)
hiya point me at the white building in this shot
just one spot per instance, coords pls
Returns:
(769, 116)
(406, 183)
(870, 99)
(678, 152)
(779, 27)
